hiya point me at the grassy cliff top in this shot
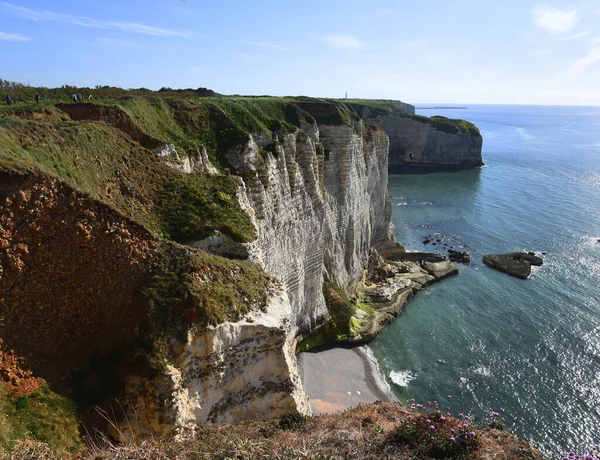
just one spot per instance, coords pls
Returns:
(438, 122)
(102, 148)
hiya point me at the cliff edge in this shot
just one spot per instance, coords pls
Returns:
(423, 143)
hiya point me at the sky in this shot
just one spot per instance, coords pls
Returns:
(435, 51)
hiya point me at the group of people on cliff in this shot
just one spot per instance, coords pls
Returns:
(74, 97)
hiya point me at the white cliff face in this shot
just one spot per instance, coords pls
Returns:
(223, 374)
(318, 199)
(198, 162)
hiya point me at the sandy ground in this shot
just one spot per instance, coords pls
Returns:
(337, 378)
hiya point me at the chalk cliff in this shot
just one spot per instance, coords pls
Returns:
(437, 143)
(301, 193)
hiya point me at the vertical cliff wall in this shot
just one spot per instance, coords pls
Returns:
(426, 143)
(318, 198)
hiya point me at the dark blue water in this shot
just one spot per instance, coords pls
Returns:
(529, 349)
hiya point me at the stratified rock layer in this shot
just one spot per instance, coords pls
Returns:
(319, 203)
(418, 142)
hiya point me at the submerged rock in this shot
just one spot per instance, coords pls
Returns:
(514, 263)
(459, 256)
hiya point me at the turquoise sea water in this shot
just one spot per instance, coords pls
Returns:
(529, 349)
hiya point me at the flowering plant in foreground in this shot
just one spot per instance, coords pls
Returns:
(593, 455)
(440, 436)
(436, 434)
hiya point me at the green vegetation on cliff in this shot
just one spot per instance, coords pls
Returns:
(437, 122)
(342, 324)
(43, 416)
(100, 161)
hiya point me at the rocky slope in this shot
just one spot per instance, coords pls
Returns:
(418, 142)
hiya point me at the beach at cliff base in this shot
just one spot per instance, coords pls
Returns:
(336, 378)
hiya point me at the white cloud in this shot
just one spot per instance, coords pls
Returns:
(344, 41)
(576, 36)
(266, 45)
(554, 20)
(14, 37)
(84, 21)
(583, 64)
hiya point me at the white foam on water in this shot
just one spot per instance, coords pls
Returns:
(408, 203)
(482, 370)
(379, 377)
(401, 378)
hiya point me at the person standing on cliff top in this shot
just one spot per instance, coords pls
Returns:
(8, 100)
(37, 98)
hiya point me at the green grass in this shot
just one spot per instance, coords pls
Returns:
(41, 415)
(195, 289)
(374, 104)
(192, 207)
(439, 123)
(100, 161)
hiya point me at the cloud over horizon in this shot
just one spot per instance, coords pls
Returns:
(265, 45)
(84, 21)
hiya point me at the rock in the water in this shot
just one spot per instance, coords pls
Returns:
(458, 256)
(515, 263)
(440, 269)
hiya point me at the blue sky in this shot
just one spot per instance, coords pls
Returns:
(503, 51)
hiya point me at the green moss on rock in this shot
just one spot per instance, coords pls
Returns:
(342, 325)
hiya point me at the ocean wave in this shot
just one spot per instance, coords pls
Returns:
(525, 136)
(401, 378)
(592, 181)
(377, 374)
(589, 241)
(409, 203)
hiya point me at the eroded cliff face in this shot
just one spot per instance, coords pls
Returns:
(319, 199)
(427, 143)
(235, 371)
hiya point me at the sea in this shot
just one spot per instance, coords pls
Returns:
(484, 341)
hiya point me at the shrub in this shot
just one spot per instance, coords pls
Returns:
(292, 420)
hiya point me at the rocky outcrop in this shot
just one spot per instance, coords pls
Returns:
(517, 264)
(198, 162)
(222, 374)
(387, 297)
(425, 143)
